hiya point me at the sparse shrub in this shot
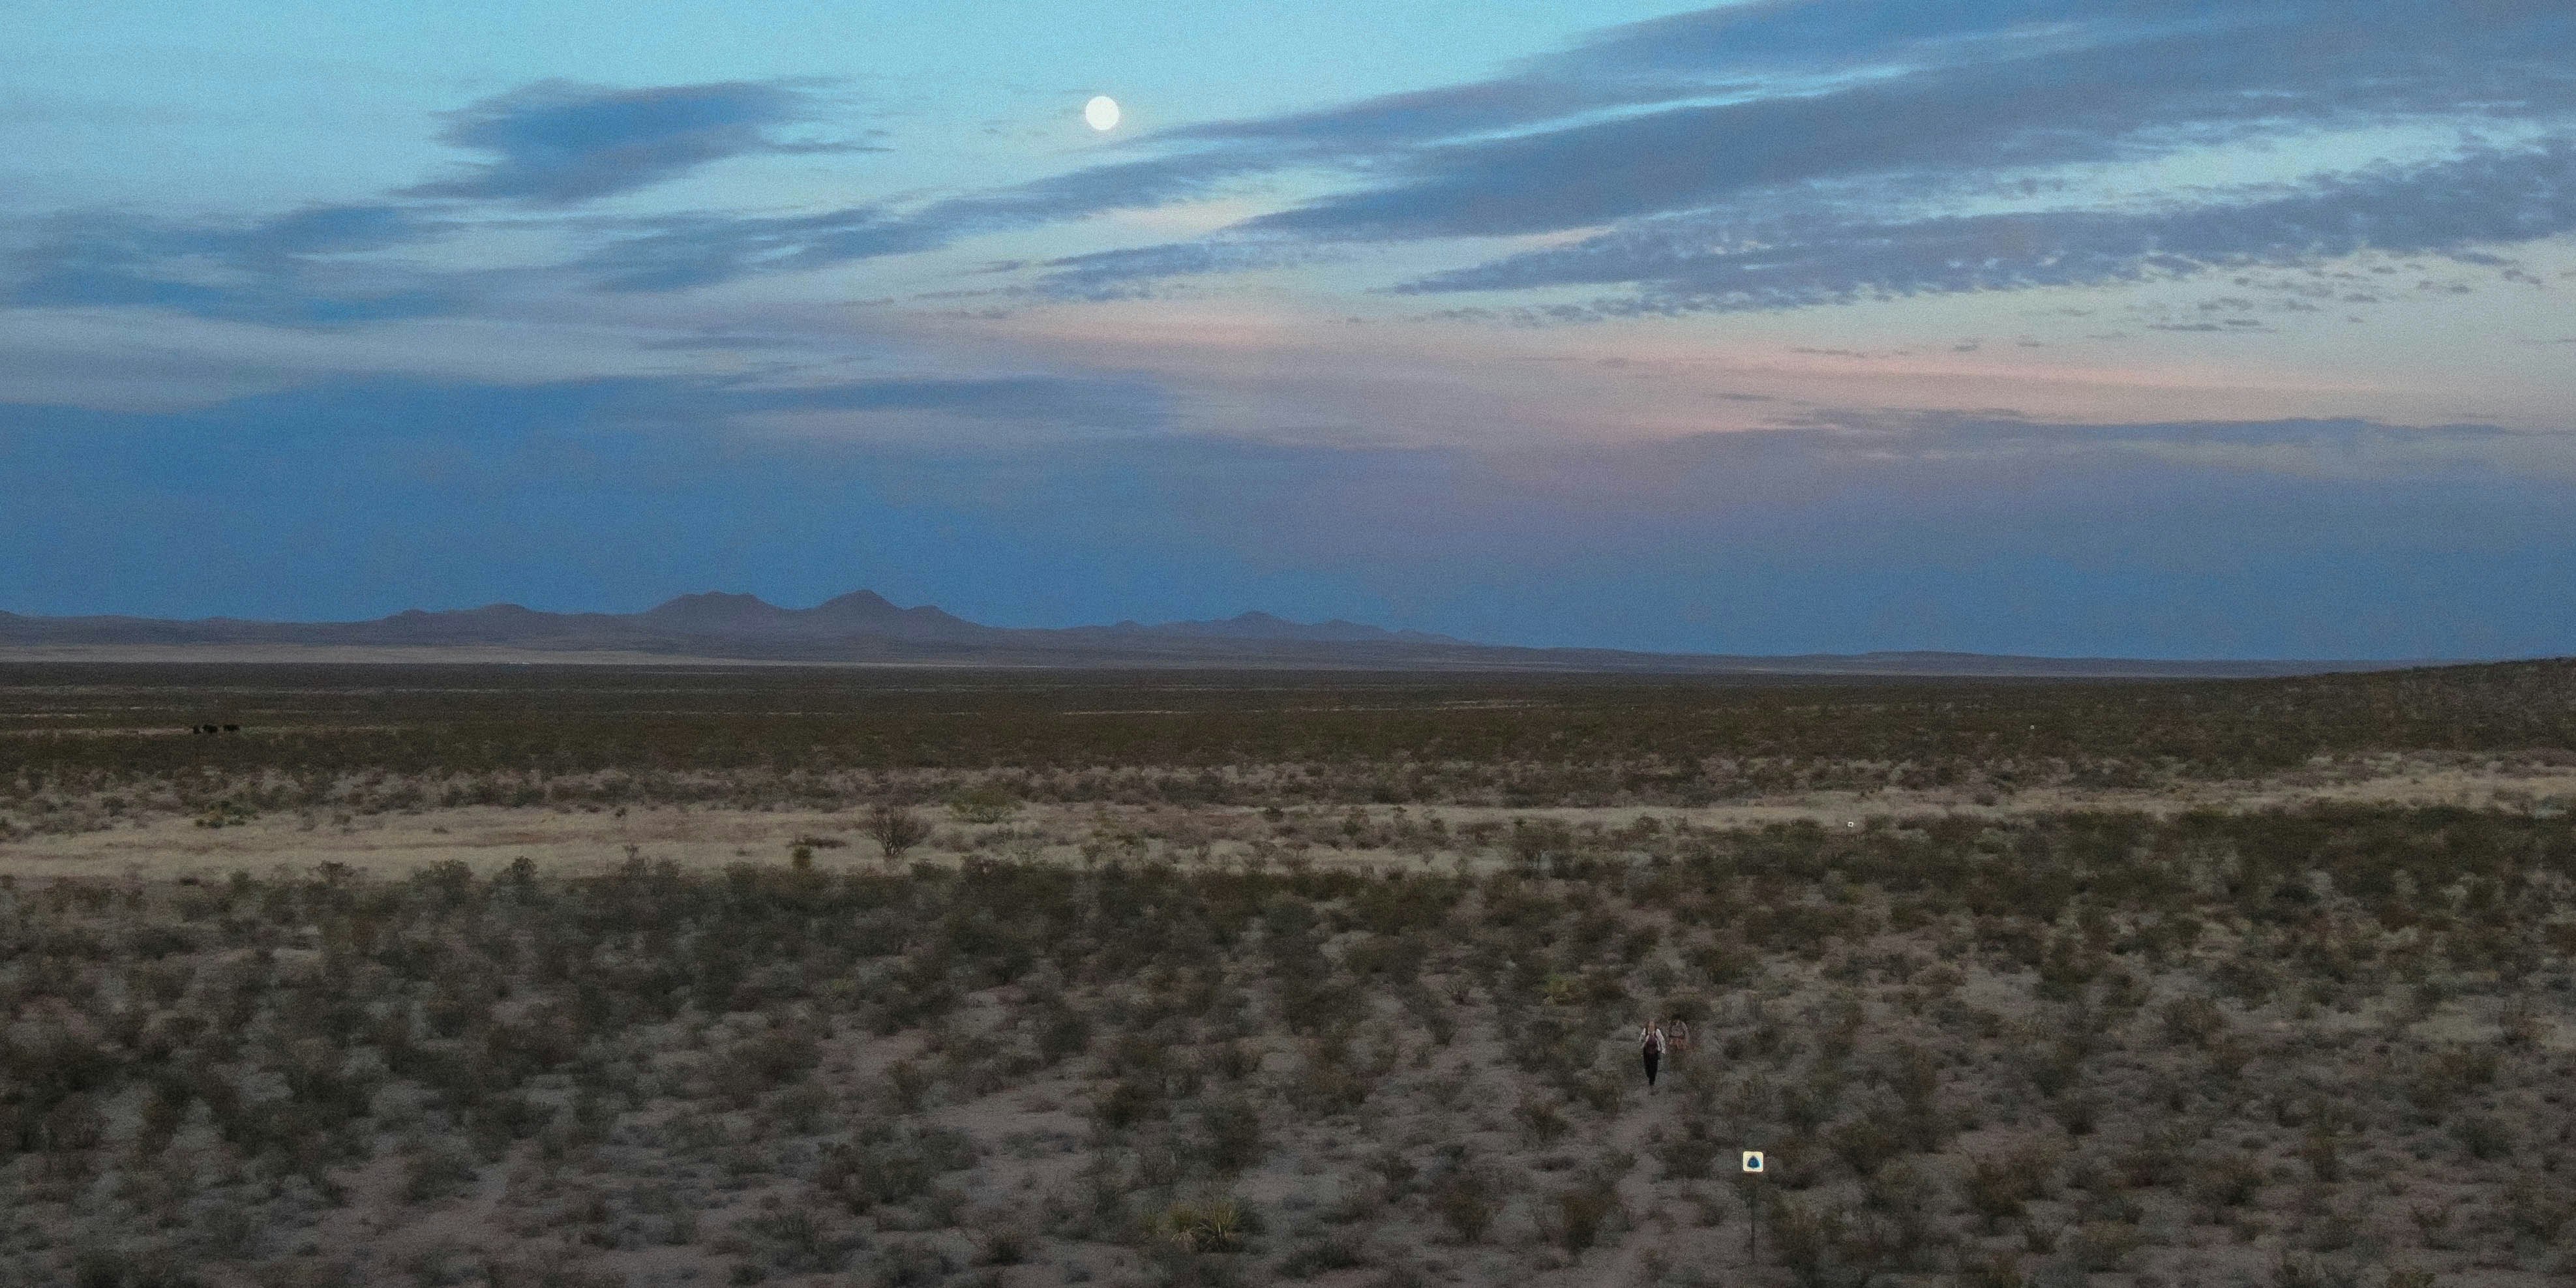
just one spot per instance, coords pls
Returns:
(2227, 1180)
(895, 829)
(2448, 1074)
(1540, 1118)
(1691, 1153)
(983, 803)
(1866, 1143)
(73, 1124)
(1994, 1270)
(1806, 1239)
(436, 1173)
(1322, 1255)
(880, 1165)
(907, 1086)
(1004, 1247)
(2323, 1153)
(1577, 1217)
(1062, 1032)
(1213, 1226)
(1998, 1186)
(909, 1263)
(2158, 1158)
(1233, 1130)
(764, 1062)
(2105, 1246)
(2536, 1208)
(791, 1241)
(2483, 1137)
(2292, 1270)
(1127, 1102)
(1467, 1198)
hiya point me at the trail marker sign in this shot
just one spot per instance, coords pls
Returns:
(1753, 1160)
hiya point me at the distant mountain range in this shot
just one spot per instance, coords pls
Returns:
(864, 627)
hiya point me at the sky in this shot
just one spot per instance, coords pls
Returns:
(2150, 328)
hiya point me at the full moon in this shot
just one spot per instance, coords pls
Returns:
(1102, 113)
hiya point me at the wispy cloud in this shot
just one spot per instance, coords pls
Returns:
(556, 143)
(307, 267)
(553, 144)
(1770, 154)
(682, 251)
(1063, 406)
(1915, 96)
(2489, 198)
(707, 248)
(1124, 274)
(1833, 127)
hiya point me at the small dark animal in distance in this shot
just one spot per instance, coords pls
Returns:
(207, 728)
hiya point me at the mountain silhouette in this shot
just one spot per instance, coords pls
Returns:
(863, 626)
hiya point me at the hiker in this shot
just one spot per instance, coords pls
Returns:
(1651, 1041)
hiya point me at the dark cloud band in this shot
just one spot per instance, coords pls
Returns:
(556, 143)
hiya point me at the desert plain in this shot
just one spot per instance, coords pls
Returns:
(658, 974)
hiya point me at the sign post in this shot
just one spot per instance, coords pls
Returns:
(1753, 1206)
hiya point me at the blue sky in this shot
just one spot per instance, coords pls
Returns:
(2146, 327)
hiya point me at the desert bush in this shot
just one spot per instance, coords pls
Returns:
(98, 1267)
(1231, 1126)
(1004, 1247)
(791, 1240)
(983, 803)
(1867, 1143)
(2483, 1137)
(757, 1065)
(895, 829)
(1691, 1152)
(1062, 1031)
(2446, 1075)
(2322, 1150)
(1577, 1217)
(437, 1172)
(2292, 1270)
(2105, 1246)
(2192, 1021)
(1994, 1270)
(1322, 1255)
(1998, 1186)
(1808, 1240)
(2227, 1180)
(2536, 1208)
(884, 1165)
(1467, 1198)
(909, 1263)
(1210, 1226)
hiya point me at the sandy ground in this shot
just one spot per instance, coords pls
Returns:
(489, 837)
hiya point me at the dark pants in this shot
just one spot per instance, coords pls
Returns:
(1654, 1061)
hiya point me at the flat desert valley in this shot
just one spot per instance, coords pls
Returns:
(471, 974)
